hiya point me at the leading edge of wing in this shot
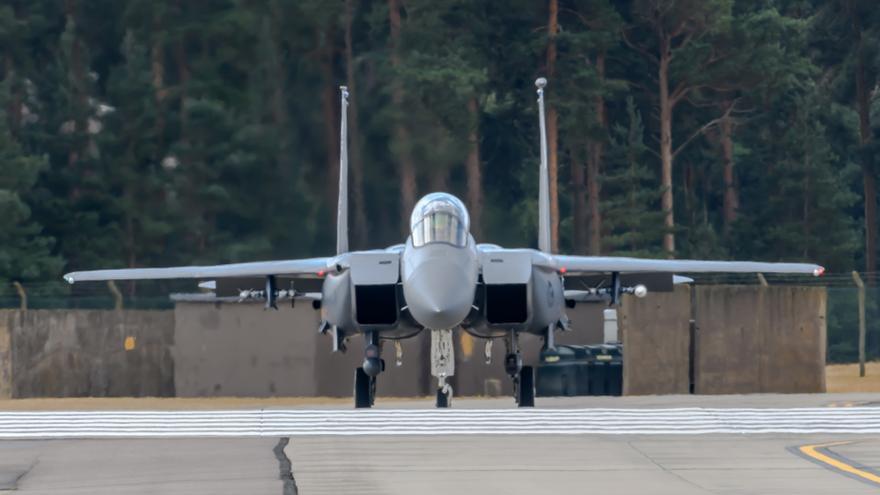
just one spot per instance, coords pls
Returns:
(605, 264)
(304, 267)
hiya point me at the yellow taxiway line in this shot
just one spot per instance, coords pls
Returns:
(813, 452)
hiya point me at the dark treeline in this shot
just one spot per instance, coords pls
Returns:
(156, 132)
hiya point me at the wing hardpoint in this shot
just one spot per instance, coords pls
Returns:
(606, 264)
(305, 268)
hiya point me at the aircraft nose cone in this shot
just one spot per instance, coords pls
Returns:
(438, 296)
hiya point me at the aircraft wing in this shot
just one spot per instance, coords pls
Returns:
(576, 265)
(302, 268)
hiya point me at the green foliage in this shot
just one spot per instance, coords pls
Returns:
(25, 250)
(144, 133)
(633, 220)
(806, 216)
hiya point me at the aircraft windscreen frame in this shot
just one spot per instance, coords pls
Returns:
(439, 217)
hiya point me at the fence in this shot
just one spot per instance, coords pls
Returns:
(843, 324)
(60, 295)
(842, 317)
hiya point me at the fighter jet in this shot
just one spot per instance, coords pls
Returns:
(442, 280)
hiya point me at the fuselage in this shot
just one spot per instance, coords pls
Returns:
(439, 282)
(439, 269)
(441, 279)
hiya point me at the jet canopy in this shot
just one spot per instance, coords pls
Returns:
(439, 217)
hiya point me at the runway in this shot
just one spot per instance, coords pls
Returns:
(379, 422)
(709, 445)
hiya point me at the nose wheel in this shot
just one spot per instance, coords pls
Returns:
(524, 387)
(444, 396)
(365, 376)
(364, 389)
(523, 376)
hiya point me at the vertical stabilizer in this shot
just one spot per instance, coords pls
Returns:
(544, 179)
(342, 207)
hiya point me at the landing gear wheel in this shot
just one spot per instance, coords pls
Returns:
(364, 389)
(444, 398)
(525, 387)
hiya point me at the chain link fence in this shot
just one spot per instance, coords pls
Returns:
(842, 311)
(843, 324)
(60, 295)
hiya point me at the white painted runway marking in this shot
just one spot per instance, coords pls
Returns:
(293, 422)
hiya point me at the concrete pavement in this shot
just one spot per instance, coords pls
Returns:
(459, 464)
(513, 465)
(141, 466)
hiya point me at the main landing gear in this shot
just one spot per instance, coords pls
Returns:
(365, 376)
(523, 376)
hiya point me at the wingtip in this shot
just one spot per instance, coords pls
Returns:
(819, 271)
(69, 278)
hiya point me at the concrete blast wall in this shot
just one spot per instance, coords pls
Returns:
(766, 340)
(655, 332)
(744, 339)
(70, 353)
(240, 349)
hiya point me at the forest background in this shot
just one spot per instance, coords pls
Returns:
(162, 132)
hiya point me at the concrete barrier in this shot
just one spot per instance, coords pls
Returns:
(760, 339)
(70, 353)
(655, 332)
(243, 350)
(746, 339)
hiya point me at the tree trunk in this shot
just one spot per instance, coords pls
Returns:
(157, 70)
(356, 160)
(79, 98)
(865, 135)
(579, 202)
(329, 93)
(278, 97)
(806, 228)
(552, 130)
(731, 195)
(594, 165)
(666, 200)
(474, 174)
(14, 108)
(184, 75)
(401, 133)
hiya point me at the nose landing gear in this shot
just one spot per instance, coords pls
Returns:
(442, 364)
(365, 376)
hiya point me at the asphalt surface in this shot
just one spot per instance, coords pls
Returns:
(141, 466)
(455, 464)
(571, 464)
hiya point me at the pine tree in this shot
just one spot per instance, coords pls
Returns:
(846, 34)
(132, 158)
(799, 189)
(25, 250)
(633, 223)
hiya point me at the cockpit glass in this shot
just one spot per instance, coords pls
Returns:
(439, 217)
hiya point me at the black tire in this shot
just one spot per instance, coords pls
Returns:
(525, 390)
(364, 387)
(442, 399)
